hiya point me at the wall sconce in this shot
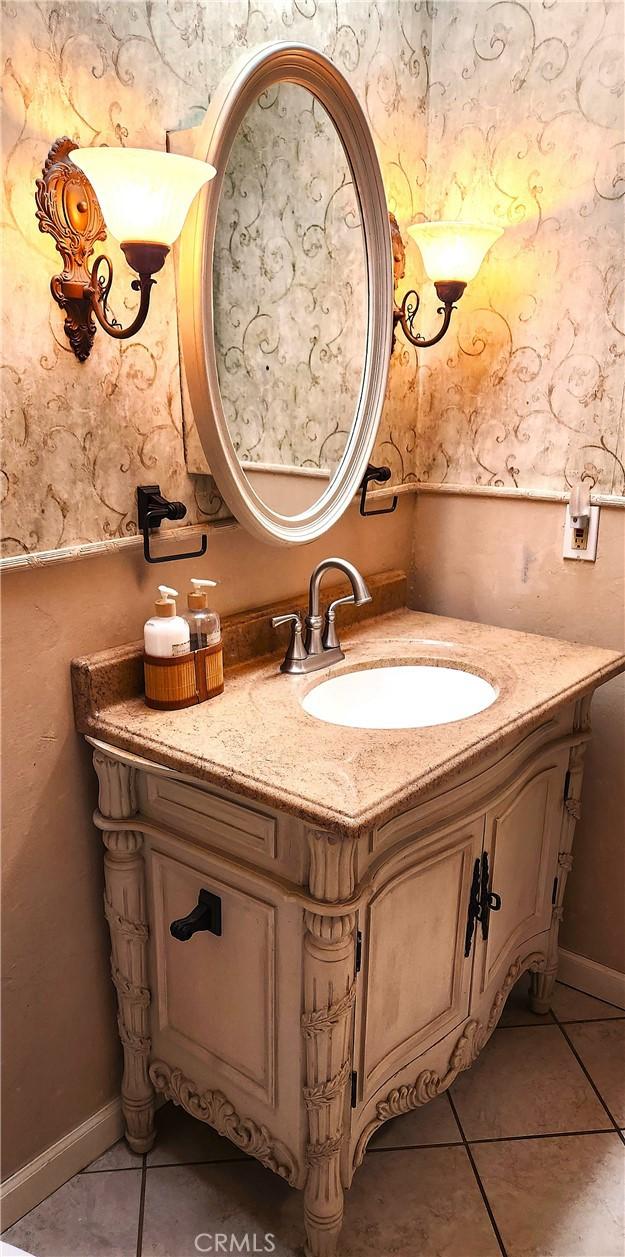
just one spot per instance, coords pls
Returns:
(142, 196)
(452, 255)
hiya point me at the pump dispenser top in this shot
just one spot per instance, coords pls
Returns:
(166, 604)
(204, 624)
(197, 598)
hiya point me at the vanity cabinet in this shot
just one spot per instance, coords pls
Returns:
(339, 978)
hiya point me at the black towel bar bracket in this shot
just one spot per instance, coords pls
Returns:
(152, 509)
(379, 475)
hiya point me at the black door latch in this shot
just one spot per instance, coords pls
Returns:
(482, 901)
(206, 916)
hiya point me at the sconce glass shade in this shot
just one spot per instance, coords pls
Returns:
(144, 195)
(453, 251)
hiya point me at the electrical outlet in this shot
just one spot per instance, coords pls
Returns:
(580, 535)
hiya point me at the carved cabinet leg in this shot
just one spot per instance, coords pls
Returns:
(124, 905)
(329, 990)
(543, 983)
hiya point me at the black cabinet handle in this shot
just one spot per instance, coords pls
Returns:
(205, 916)
(473, 914)
(482, 902)
(489, 900)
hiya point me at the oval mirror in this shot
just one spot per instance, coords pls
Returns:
(286, 294)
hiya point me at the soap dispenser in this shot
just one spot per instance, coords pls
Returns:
(166, 634)
(204, 624)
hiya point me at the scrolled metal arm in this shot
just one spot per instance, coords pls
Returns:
(100, 288)
(406, 313)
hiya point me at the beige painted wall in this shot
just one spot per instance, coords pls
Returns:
(498, 560)
(60, 1059)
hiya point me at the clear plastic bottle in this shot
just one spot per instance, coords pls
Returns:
(204, 624)
(166, 634)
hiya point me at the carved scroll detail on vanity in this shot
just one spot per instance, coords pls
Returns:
(125, 908)
(214, 1108)
(323, 1019)
(429, 1084)
(329, 994)
(117, 795)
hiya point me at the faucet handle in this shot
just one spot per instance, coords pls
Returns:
(296, 648)
(330, 639)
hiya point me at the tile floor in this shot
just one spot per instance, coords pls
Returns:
(524, 1156)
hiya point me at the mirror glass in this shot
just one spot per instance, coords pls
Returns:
(290, 298)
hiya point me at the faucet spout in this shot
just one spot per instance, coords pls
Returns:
(358, 584)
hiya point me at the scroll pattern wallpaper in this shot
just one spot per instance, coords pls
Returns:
(525, 129)
(507, 111)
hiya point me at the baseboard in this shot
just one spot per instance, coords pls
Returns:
(30, 1185)
(594, 979)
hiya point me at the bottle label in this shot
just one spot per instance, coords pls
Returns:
(180, 648)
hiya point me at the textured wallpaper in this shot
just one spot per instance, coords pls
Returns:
(79, 438)
(525, 129)
(506, 111)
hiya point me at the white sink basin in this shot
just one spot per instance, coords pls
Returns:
(410, 696)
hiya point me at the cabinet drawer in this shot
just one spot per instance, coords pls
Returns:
(201, 814)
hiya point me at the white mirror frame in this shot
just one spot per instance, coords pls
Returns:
(213, 140)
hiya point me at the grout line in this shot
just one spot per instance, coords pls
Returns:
(174, 1165)
(478, 1180)
(414, 1147)
(526, 1025)
(550, 1134)
(141, 1205)
(113, 1169)
(570, 1021)
(590, 1079)
(587, 1021)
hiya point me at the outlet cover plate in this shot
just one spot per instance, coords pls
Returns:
(568, 549)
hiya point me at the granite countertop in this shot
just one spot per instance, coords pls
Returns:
(256, 739)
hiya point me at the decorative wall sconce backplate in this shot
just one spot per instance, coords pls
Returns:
(68, 210)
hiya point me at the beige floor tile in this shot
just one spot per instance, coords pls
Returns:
(92, 1215)
(572, 1005)
(556, 1197)
(601, 1045)
(418, 1201)
(526, 1082)
(434, 1123)
(119, 1157)
(181, 1139)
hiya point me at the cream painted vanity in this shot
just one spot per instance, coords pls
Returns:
(375, 893)
(314, 928)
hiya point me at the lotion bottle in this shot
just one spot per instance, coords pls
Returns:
(166, 634)
(204, 624)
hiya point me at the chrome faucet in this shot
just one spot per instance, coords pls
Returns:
(319, 646)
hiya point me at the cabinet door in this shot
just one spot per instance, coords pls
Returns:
(521, 841)
(416, 979)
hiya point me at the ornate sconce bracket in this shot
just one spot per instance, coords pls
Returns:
(406, 313)
(68, 210)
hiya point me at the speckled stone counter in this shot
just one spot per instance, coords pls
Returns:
(257, 740)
